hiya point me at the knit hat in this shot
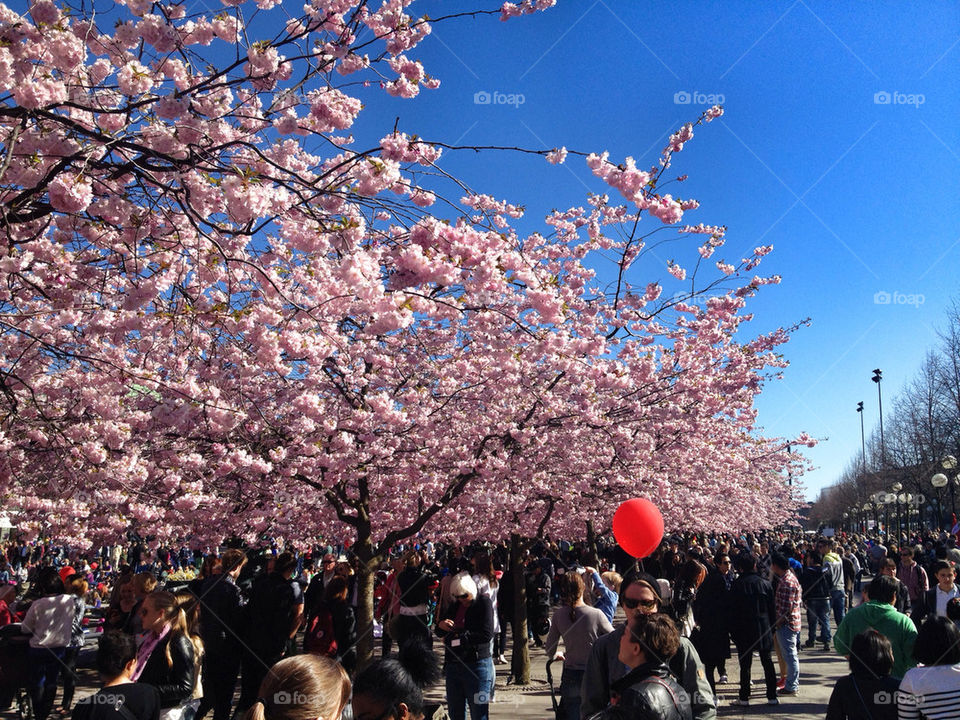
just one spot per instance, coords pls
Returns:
(645, 579)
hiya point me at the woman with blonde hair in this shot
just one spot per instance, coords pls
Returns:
(467, 629)
(166, 655)
(302, 687)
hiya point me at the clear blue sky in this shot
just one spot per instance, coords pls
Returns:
(858, 196)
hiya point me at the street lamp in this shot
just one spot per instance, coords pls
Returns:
(888, 500)
(863, 441)
(846, 521)
(867, 507)
(897, 487)
(949, 464)
(917, 502)
(877, 377)
(939, 482)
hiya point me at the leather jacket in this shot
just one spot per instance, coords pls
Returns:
(647, 691)
(174, 682)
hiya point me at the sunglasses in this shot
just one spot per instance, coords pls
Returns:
(462, 597)
(634, 603)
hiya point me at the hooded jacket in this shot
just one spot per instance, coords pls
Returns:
(885, 619)
(833, 569)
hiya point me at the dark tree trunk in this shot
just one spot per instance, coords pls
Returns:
(369, 561)
(520, 658)
(593, 559)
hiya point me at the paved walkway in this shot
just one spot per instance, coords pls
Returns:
(819, 671)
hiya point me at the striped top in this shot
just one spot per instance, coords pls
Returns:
(930, 692)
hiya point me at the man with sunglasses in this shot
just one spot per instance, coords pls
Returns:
(640, 594)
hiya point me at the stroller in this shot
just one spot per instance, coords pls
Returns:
(553, 690)
(14, 671)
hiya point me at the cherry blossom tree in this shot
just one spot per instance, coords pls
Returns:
(222, 315)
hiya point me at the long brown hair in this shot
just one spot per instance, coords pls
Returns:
(573, 587)
(302, 687)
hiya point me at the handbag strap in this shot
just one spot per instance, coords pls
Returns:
(673, 696)
(860, 695)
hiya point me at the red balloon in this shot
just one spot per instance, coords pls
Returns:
(638, 527)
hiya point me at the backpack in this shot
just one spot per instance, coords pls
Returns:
(320, 638)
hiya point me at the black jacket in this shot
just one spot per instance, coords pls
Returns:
(647, 691)
(174, 682)
(221, 606)
(863, 697)
(751, 612)
(815, 583)
(710, 610)
(474, 639)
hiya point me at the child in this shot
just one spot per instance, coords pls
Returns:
(936, 598)
(868, 691)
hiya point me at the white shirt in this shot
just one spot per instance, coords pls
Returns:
(49, 620)
(930, 692)
(943, 598)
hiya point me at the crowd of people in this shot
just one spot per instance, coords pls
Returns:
(183, 631)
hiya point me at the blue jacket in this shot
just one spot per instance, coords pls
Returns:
(606, 602)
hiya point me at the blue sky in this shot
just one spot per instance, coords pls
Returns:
(840, 146)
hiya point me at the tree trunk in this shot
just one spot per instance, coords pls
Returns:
(593, 559)
(369, 561)
(520, 658)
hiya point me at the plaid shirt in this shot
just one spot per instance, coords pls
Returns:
(788, 601)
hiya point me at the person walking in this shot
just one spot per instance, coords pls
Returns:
(711, 636)
(271, 619)
(467, 629)
(933, 689)
(752, 599)
(49, 622)
(816, 596)
(221, 608)
(833, 568)
(787, 602)
(648, 690)
(579, 625)
(913, 576)
(880, 614)
(640, 594)
(868, 692)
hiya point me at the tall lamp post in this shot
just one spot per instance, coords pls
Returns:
(863, 441)
(939, 482)
(918, 500)
(888, 500)
(877, 377)
(949, 463)
(896, 488)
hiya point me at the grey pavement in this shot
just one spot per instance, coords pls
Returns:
(819, 671)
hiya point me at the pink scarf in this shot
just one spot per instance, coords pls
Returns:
(150, 642)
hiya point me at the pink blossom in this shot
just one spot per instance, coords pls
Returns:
(557, 156)
(33, 93)
(678, 272)
(134, 79)
(333, 110)
(70, 193)
(44, 12)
